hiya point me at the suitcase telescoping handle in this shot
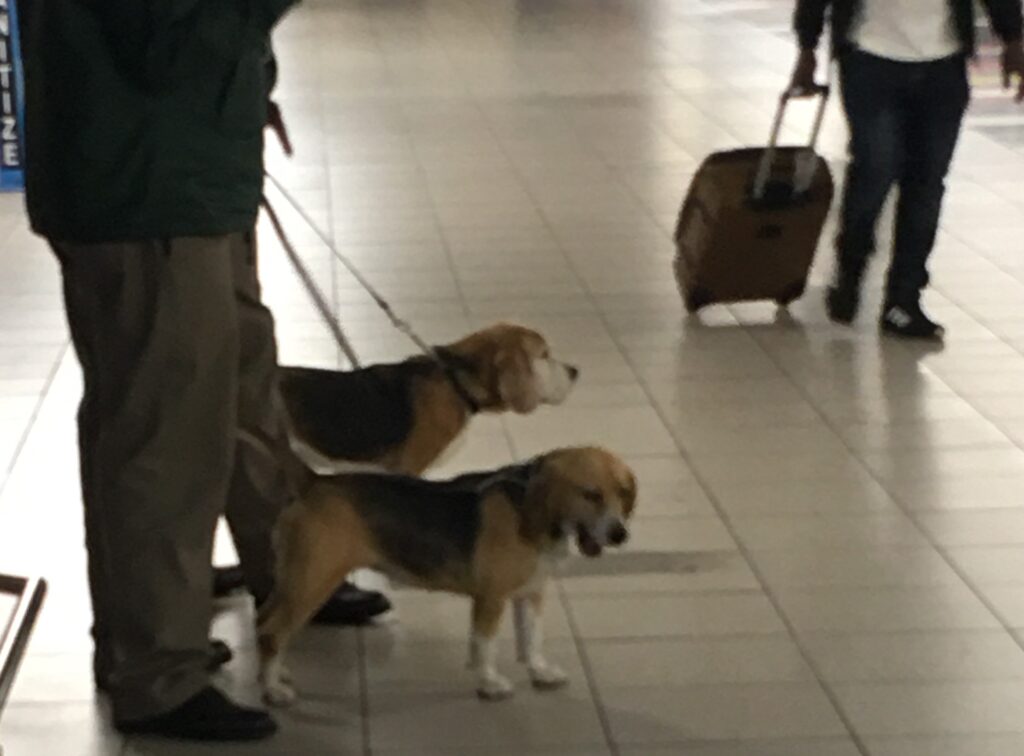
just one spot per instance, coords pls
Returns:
(764, 168)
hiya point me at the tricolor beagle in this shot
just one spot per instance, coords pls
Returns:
(402, 417)
(491, 536)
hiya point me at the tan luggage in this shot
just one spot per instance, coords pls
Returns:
(751, 221)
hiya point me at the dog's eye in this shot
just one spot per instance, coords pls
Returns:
(593, 495)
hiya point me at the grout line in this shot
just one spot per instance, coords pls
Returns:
(43, 394)
(588, 671)
(364, 692)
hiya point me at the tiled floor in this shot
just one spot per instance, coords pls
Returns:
(829, 559)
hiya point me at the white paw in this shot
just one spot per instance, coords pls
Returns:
(280, 694)
(495, 688)
(548, 676)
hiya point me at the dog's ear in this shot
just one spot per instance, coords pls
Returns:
(628, 491)
(517, 386)
(542, 515)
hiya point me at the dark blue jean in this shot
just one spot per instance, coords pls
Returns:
(904, 122)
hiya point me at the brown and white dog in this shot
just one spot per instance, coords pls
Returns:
(492, 536)
(402, 417)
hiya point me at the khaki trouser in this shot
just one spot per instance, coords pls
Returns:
(179, 424)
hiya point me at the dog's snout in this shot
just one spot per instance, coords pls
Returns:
(574, 372)
(617, 534)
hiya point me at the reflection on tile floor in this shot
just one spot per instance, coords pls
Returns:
(830, 549)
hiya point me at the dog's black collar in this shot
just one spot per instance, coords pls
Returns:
(450, 364)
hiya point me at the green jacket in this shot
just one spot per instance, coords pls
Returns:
(144, 118)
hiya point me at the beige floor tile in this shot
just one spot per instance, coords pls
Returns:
(613, 617)
(75, 729)
(719, 712)
(673, 662)
(802, 747)
(977, 655)
(840, 610)
(654, 572)
(994, 527)
(961, 745)
(1007, 601)
(989, 565)
(878, 567)
(935, 708)
(855, 496)
(626, 430)
(459, 720)
(826, 530)
(668, 534)
(393, 666)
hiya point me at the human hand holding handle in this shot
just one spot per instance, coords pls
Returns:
(802, 83)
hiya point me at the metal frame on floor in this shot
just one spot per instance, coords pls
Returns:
(14, 637)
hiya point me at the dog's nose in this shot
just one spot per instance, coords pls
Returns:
(574, 372)
(617, 534)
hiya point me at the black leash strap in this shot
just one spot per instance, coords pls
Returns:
(445, 361)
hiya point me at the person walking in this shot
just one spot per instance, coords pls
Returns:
(903, 75)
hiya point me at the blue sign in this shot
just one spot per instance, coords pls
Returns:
(12, 101)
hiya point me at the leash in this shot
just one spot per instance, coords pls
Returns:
(382, 303)
(314, 291)
(324, 308)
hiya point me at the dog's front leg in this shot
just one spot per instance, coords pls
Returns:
(491, 684)
(530, 629)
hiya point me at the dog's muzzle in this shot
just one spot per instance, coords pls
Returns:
(617, 534)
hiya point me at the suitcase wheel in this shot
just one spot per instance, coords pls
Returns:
(790, 295)
(696, 299)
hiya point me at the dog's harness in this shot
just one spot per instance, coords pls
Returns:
(518, 475)
(447, 361)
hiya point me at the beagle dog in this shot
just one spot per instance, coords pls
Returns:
(492, 536)
(402, 417)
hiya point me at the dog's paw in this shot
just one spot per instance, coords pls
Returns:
(285, 676)
(278, 688)
(495, 688)
(548, 676)
(279, 693)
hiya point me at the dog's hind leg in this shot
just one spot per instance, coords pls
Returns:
(307, 572)
(530, 626)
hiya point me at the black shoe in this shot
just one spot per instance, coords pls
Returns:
(227, 580)
(843, 299)
(351, 606)
(210, 716)
(909, 321)
(220, 654)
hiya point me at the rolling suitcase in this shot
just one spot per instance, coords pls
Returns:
(751, 220)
